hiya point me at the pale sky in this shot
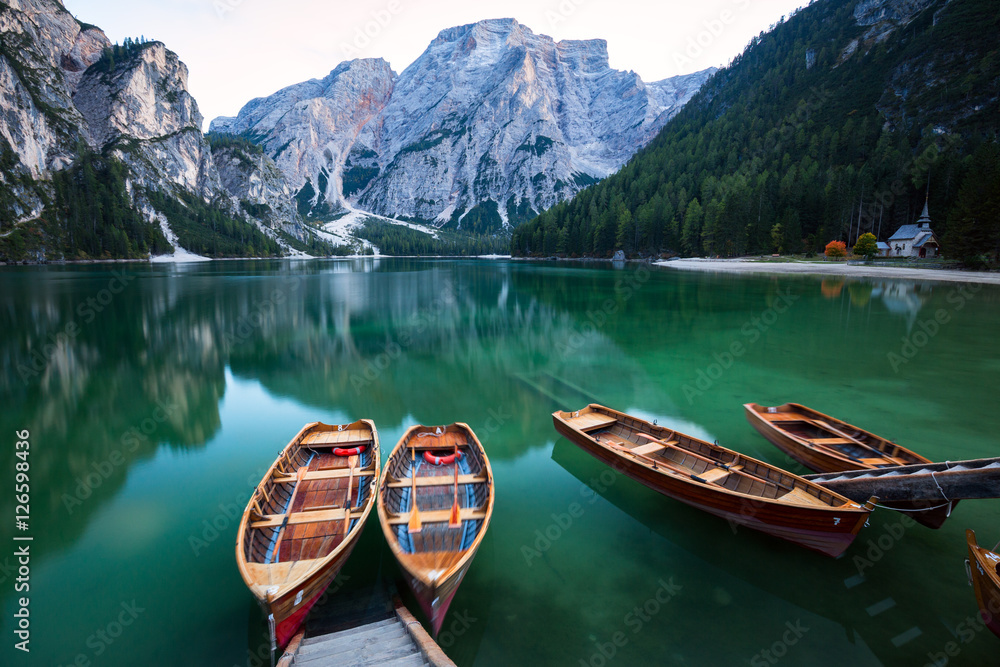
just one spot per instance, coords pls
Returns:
(236, 50)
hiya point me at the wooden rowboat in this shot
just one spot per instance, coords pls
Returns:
(983, 567)
(435, 503)
(305, 517)
(825, 444)
(742, 490)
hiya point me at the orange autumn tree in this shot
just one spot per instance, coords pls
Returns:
(836, 249)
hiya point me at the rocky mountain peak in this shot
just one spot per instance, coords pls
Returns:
(492, 120)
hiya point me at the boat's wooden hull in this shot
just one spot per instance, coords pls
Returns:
(436, 599)
(435, 559)
(305, 518)
(289, 616)
(828, 530)
(822, 460)
(984, 573)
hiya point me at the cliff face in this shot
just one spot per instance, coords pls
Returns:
(253, 179)
(308, 129)
(143, 112)
(43, 52)
(65, 91)
(490, 118)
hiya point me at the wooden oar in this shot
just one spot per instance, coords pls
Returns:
(414, 526)
(291, 502)
(352, 463)
(454, 521)
(675, 467)
(831, 429)
(685, 451)
(718, 464)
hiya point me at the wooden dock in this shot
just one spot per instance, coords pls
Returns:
(373, 629)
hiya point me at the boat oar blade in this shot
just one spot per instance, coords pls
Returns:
(453, 520)
(352, 463)
(414, 525)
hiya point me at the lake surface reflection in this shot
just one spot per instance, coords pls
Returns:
(156, 396)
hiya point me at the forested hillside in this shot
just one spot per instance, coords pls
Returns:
(826, 127)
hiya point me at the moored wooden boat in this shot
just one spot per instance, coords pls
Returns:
(742, 490)
(826, 444)
(434, 503)
(983, 566)
(305, 517)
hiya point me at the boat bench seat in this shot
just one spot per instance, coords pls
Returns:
(883, 461)
(336, 473)
(713, 475)
(648, 449)
(782, 416)
(832, 441)
(275, 520)
(653, 447)
(438, 480)
(799, 496)
(439, 516)
(716, 475)
(346, 444)
(337, 438)
(591, 421)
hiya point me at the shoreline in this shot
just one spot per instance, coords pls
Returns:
(69, 262)
(743, 266)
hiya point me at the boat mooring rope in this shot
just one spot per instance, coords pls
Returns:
(924, 509)
(947, 502)
(947, 467)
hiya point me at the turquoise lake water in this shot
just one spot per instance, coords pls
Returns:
(157, 395)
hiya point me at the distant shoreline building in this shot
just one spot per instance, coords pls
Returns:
(914, 240)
